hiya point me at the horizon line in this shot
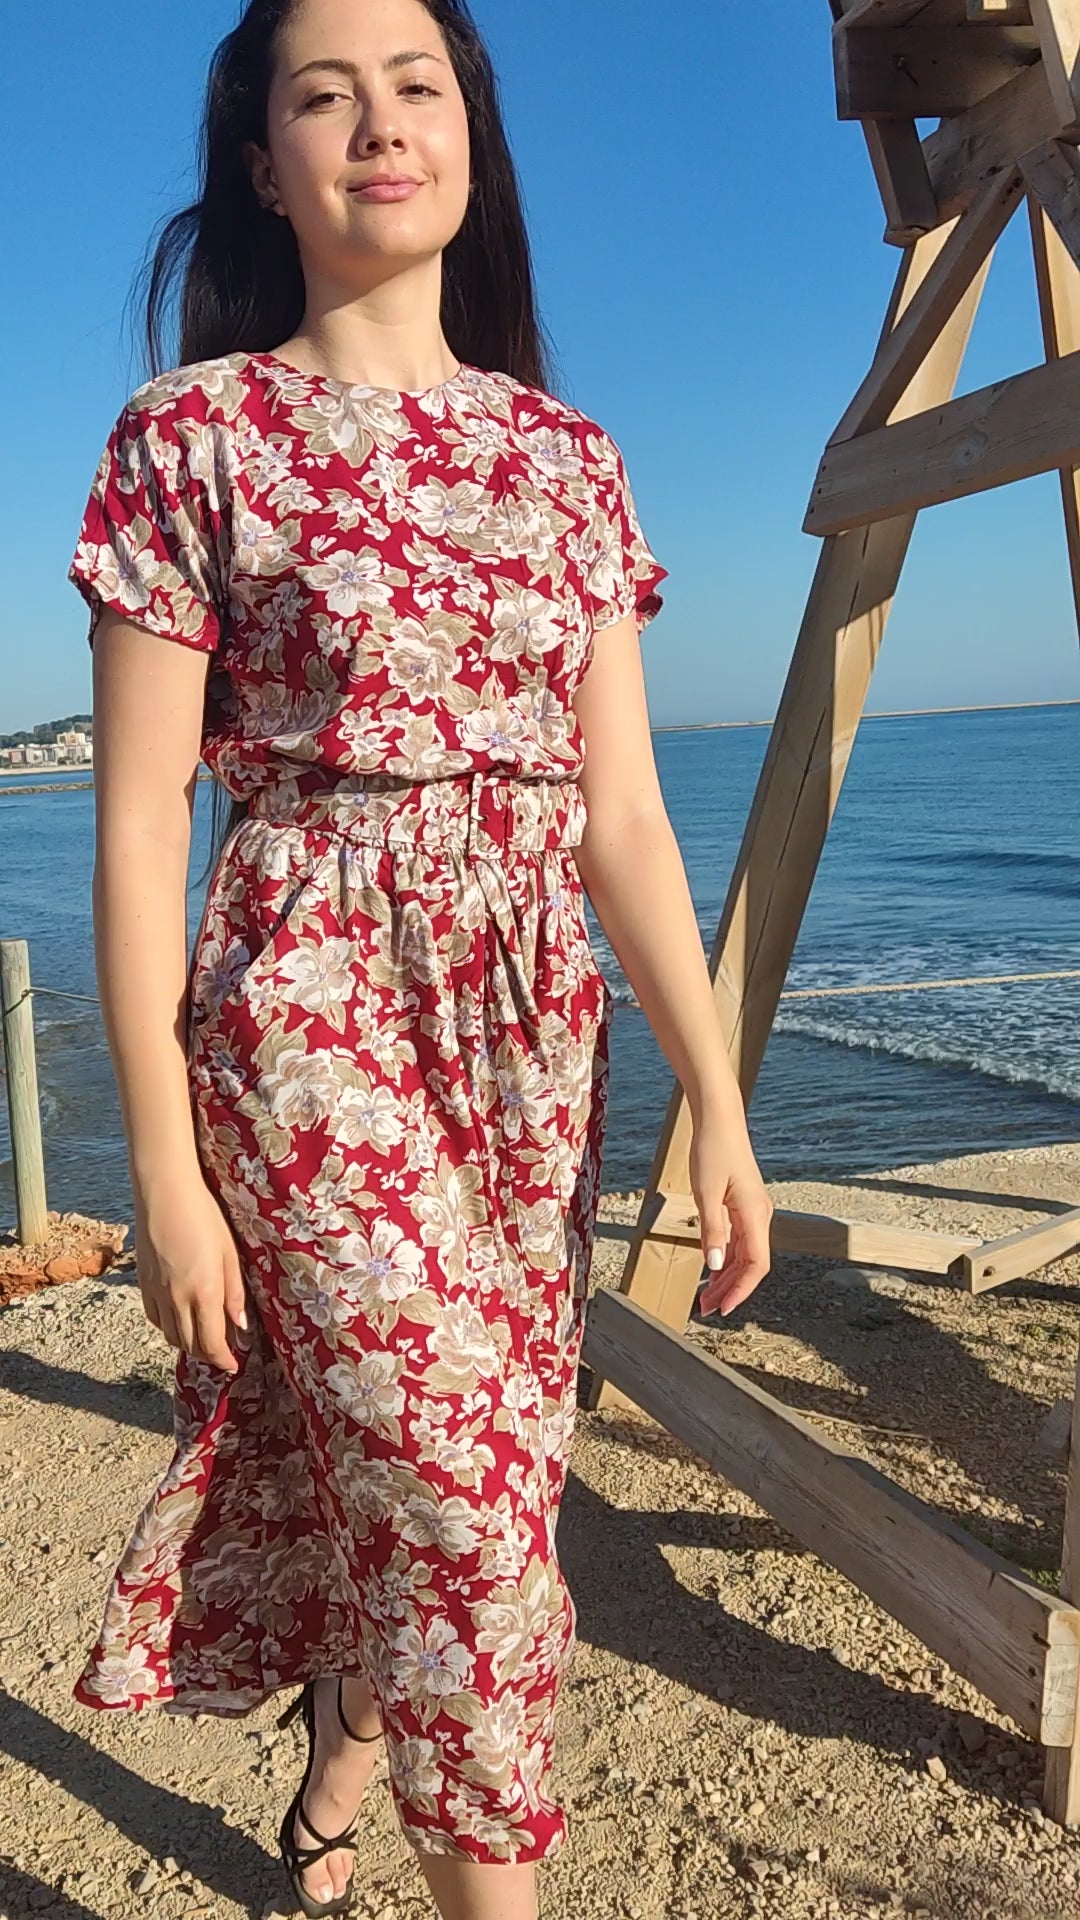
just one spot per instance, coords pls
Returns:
(892, 713)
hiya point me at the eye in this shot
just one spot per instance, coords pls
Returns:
(317, 97)
(418, 86)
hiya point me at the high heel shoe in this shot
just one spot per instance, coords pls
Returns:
(299, 1858)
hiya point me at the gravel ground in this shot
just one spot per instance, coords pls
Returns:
(743, 1733)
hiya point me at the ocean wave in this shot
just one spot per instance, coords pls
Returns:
(1041, 1079)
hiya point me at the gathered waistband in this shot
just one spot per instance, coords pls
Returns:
(482, 813)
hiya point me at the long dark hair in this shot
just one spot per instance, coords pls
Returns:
(241, 285)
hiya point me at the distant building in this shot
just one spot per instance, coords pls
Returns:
(74, 747)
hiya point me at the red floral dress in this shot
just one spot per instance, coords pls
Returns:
(397, 1050)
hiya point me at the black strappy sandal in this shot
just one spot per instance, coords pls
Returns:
(298, 1858)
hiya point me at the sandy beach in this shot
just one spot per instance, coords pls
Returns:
(742, 1732)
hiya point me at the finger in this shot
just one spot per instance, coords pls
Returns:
(716, 1238)
(747, 1263)
(167, 1321)
(211, 1343)
(184, 1315)
(740, 1282)
(235, 1297)
(741, 1291)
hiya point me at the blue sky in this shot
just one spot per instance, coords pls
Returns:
(707, 240)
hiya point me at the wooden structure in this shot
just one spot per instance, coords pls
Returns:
(1003, 79)
(24, 1112)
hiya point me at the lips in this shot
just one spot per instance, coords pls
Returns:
(389, 182)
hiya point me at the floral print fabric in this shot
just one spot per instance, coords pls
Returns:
(393, 583)
(397, 1049)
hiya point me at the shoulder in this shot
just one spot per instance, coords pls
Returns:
(208, 392)
(540, 411)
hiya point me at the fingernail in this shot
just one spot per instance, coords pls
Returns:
(241, 1318)
(715, 1257)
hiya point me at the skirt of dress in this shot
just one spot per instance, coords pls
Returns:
(398, 1045)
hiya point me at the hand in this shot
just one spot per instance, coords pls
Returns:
(189, 1270)
(734, 1209)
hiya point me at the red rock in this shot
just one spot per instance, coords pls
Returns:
(64, 1267)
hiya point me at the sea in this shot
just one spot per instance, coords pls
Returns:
(954, 852)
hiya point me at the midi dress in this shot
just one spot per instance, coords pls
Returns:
(396, 1049)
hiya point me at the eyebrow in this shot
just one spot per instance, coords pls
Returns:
(395, 60)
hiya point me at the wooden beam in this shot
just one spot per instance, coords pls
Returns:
(899, 164)
(1018, 1254)
(797, 789)
(922, 72)
(826, 1236)
(1052, 173)
(1057, 23)
(1017, 1643)
(1011, 430)
(967, 246)
(1059, 306)
(1062, 1788)
(966, 148)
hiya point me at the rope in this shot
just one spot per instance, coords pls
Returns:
(792, 993)
(58, 994)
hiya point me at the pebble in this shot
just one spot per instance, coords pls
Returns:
(147, 1880)
(972, 1731)
(935, 1767)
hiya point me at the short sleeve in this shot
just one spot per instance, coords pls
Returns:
(623, 575)
(151, 543)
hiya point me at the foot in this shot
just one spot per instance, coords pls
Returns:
(341, 1771)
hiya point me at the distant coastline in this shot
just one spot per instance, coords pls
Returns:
(898, 713)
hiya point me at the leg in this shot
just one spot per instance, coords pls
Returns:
(462, 1890)
(339, 1776)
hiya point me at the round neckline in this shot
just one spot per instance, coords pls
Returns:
(277, 364)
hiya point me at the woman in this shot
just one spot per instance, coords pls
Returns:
(365, 1126)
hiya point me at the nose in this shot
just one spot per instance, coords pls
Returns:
(380, 125)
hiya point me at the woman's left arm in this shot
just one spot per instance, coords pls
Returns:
(633, 873)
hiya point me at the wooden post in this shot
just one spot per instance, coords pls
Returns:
(1061, 1792)
(798, 787)
(1058, 284)
(1010, 1638)
(24, 1114)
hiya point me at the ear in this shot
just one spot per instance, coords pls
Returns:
(262, 178)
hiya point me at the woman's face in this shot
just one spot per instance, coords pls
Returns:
(363, 88)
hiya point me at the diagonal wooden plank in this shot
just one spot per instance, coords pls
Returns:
(1058, 283)
(1057, 23)
(1019, 1644)
(1052, 173)
(1017, 1254)
(903, 350)
(967, 147)
(798, 786)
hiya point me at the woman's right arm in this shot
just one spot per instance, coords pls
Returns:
(148, 706)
